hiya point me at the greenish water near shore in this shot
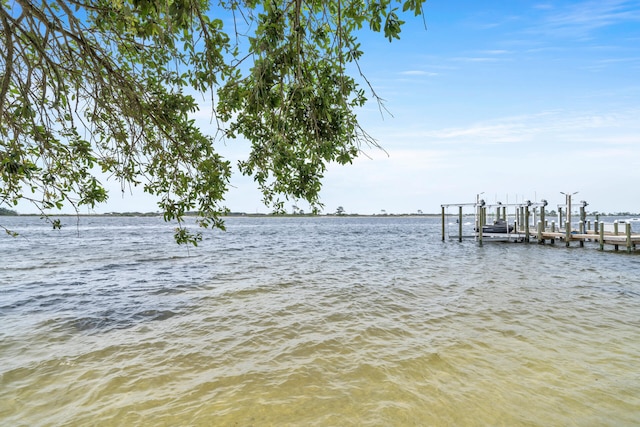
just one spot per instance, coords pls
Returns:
(312, 321)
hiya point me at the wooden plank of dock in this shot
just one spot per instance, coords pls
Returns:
(630, 241)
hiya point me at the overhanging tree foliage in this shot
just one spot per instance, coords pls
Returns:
(105, 86)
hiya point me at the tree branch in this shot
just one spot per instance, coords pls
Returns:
(6, 78)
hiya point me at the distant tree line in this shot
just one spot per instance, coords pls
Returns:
(7, 212)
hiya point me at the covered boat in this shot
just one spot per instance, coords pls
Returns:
(499, 226)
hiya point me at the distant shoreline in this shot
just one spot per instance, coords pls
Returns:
(232, 214)
(273, 215)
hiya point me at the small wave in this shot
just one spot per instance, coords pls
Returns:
(106, 321)
(155, 314)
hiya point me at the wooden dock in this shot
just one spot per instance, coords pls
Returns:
(616, 235)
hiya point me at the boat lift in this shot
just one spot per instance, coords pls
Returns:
(520, 231)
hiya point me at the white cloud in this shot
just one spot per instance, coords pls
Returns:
(581, 19)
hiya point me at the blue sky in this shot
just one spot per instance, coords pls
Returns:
(514, 99)
(519, 100)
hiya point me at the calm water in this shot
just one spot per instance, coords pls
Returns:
(312, 321)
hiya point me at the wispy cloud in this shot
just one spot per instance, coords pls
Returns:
(418, 73)
(584, 128)
(477, 59)
(491, 55)
(495, 52)
(543, 6)
(581, 19)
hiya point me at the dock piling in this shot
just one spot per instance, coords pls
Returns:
(601, 236)
(559, 217)
(526, 223)
(443, 219)
(480, 223)
(581, 230)
(459, 223)
(539, 236)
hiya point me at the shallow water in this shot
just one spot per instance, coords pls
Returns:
(312, 321)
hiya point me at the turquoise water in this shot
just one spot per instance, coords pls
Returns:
(312, 321)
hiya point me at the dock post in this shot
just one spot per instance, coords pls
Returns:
(442, 223)
(484, 215)
(553, 230)
(627, 229)
(480, 224)
(459, 223)
(567, 233)
(615, 232)
(601, 228)
(559, 217)
(526, 224)
(540, 238)
(581, 228)
(588, 225)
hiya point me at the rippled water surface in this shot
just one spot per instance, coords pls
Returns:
(312, 321)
